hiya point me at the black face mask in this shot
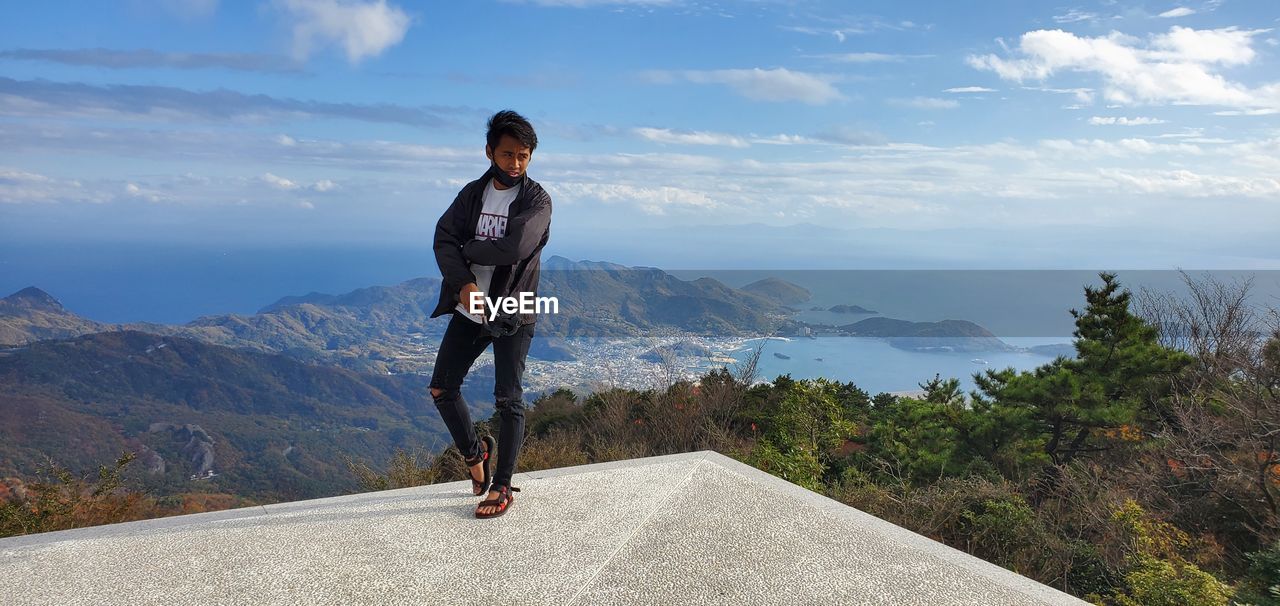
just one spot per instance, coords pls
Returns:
(502, 176)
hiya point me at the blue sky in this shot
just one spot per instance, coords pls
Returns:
(682, 134)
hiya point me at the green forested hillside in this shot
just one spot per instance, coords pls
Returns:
(276, 428)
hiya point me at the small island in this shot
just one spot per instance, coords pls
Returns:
(850, 309)
(779, 291)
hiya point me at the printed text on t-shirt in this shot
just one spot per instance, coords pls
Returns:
(491, 227)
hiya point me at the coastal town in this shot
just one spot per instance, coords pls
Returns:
(629, 363)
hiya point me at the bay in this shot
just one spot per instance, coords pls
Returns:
(875, 366)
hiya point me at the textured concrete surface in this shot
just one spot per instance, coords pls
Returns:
(698, 528)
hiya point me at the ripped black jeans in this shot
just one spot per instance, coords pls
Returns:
(463, 342)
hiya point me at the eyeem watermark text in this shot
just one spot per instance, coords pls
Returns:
(526, 303)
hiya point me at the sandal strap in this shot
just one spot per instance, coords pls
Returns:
(484, 453)
(504, 498)
(504, 493)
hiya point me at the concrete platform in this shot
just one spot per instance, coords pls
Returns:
(697, 528)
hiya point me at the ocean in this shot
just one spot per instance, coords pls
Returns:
(875, 366)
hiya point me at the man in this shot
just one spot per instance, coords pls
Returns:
(489, 241)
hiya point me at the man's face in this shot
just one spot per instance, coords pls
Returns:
(510, 156)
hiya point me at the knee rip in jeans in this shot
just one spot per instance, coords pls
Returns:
(439, 395)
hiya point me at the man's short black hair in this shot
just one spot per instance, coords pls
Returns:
(507, 122)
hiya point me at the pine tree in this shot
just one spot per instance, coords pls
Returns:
(1118, 380)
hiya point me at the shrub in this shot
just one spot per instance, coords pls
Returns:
(1159, 575)
(406, 469)
(64, 501)
(1261, 583)
(560, 448)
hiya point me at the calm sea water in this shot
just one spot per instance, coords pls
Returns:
(133, 282)
(875, 366)
(1009, 303)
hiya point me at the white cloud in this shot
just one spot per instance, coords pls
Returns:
(362, 28)
(9, 175)
(1177, 67)
(1191, 184)
(278, 182)
(664, 135)
(1006, 183)
(778, 84)
(1266, 111)
(784, 139)
(649, 200)
(286, 140)
(1123, 121)
(133, 190)
(866, 57)
(926, 103)
(1075, 15)
(844, 27)
(1228, 46)
(1187, 133)
(19, 186)
(1082, 95)
(306, 205)
(324, 185)
(1082, 149)
(1174, 13)
(970, 89)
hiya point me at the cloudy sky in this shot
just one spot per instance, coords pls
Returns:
(797, 134)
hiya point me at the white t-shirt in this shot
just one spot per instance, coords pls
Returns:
(491, 226)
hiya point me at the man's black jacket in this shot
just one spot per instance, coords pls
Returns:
(516, 257)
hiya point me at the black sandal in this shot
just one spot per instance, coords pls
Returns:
(503, 502)
(487, 445)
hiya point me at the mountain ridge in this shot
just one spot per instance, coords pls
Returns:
(86, 399)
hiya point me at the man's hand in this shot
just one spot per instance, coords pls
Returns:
(464, 295)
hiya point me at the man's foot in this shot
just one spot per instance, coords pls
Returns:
(477, 478)
(481, 465)
(484, 509)
(497, 503)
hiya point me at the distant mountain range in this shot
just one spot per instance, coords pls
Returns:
(348, 330)
(365, 329)
(608, 300)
